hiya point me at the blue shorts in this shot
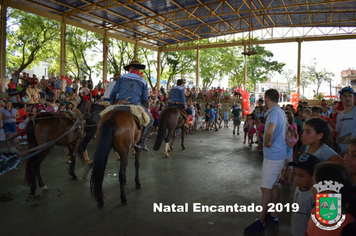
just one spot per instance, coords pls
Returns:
(10, 128)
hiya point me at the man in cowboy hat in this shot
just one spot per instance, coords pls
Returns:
(133, 88)
(110, 87)
(177, 95)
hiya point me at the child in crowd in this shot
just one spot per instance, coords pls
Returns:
(317, 139)
(212, 118)
(62, 108)
(199, 121)
(226, 119)
(155, 116)
(329, 171)
(246, 127)
(303, 177)
(26, 101)
(260, 130)
(251, 129)
(306, 116)
(292, 124)
(287, 171)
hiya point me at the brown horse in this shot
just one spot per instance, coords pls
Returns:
(45, 128)
(170, 119)
(117, 129)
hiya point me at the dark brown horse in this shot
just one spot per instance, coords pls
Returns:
(117, 129)
(170, 119)
(91, 115)
(45, 128)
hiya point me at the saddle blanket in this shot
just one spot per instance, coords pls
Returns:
(135, 110)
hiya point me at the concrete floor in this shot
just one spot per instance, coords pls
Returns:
(215, 169)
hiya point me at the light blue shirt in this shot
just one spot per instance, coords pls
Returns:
(277, 151)
(177, 94)
(130, 85)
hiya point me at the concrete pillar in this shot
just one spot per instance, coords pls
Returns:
(158, 84)
(105, 56)
(197, 71)
(299, 65)
(63, 46)
(3, 45)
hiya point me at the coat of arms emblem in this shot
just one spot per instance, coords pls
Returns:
(328, 215)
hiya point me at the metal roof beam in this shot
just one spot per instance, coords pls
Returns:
(75, 23)
(259, 42)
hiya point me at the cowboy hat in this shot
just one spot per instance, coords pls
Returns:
(116, 76)
(135, 64)
(180, 81)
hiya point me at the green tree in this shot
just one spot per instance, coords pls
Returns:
(215, 63)
(260, 67)
(179, 62)
(30, 39)
(290, 77)
(317, 76)
(80, 46)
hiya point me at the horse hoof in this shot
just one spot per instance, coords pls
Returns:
(170, 149)
(89, 162)
(183, 147)
(117, 156)
(30, 197)
(68, 162)
(101, 205)
(166, 155)
(124, 201)
(74, 177)
(138, 186)
(44, 188)
(133, 152)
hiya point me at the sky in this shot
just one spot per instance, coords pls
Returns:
(334, 56)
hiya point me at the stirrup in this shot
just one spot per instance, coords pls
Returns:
(142, 146)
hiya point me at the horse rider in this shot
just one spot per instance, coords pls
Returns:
(177, 95)
(132, 87)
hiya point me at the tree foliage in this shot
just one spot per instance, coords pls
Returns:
(317, 76)
(29, 39)
(290, 77)
(175, 63)
(80, 45)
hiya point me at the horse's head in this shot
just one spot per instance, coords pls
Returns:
(85, 106)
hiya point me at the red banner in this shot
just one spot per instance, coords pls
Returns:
(294, 99)
(246, 102)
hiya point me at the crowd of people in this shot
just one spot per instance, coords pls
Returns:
(312, 144)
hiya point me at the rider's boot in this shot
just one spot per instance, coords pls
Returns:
(142, 143)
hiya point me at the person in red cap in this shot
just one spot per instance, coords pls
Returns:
(346, 119)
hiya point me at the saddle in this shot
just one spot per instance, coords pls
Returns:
(141, 117)
(183, 113)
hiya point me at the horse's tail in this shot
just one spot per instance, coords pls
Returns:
(32, 142)
(163, 122)
(100, 159)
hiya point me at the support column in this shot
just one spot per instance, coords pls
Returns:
(105, 56)
(136, 51)
(299, 65)
(158, 84)
(197, 72)
(3, 45)
(63, 46)
(245, 66)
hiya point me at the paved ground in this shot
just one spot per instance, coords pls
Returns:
(215, 169)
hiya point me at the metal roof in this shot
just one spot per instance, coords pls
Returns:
(161, 23)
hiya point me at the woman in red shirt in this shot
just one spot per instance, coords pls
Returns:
(95, 93)
(154, 113)
(11, 87)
